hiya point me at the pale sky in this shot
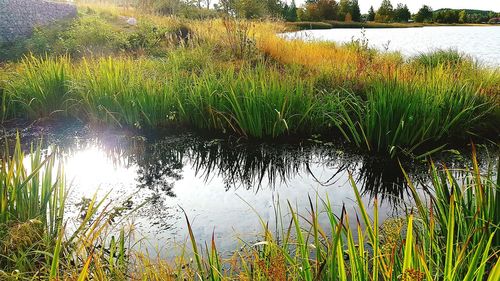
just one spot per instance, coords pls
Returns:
(414, 5)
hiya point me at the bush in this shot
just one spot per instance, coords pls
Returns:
(93, 35)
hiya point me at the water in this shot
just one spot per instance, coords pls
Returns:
(482, 42)
(221, 183)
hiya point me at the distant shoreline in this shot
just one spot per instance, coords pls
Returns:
(303, 25)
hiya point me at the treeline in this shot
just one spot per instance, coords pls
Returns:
(312, 10)
(249, 9)
(465, 16)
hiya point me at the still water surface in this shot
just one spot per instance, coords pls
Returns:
(481, 42)
(221, 182)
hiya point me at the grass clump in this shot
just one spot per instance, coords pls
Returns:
(35, 241)
(448, 58)
(39, 88)
(252, 102)
(403, 116)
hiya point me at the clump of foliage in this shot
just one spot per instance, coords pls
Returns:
(447, 58)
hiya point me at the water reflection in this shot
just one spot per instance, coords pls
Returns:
(251, 166)
(209, 178)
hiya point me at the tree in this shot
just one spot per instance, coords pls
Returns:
(371, 14)
(462, 17)
(402, 13)
(344, 8)
(328, 9)
(321, 10)
(348, 17)
(291, 12)
(447, 16)
(310, 12)
(424, 14)
(274, 8)
(355, 12)
(250, 8)
(226, 6)
(385, 12)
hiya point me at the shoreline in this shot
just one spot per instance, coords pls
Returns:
(306, 25)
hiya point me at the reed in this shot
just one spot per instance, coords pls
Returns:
(404, 116)
(34, 238)
(40, 87)
(252, 102)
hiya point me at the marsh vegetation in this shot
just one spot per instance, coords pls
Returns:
(239, 78)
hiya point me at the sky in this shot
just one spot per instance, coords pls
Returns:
(414, 5)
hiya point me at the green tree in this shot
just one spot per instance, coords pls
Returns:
(462, 17)
(371, 14)
(250, 8)
(402, 13)
(447, 16)
(275, 8)
(344, 8)
(291, 12)
(355, 11)
(226, 6)
(424, 14)
(321, 10)
(385, 12)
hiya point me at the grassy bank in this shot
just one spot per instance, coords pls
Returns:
(239, 77)
(302, 25)
(372, 24)
(329, 24)
(450, 236)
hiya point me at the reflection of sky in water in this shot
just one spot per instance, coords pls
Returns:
(480, 42)
(215, 183)
(217, 180)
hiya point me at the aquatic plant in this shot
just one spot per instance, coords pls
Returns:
(35, 238)
(255, 102)
(448, 58)
(39, 88)
(405, 115)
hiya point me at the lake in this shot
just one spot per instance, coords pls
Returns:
(224, 184)
(481, 42)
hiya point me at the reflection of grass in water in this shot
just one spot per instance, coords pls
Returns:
(253, 165)
(454, 237)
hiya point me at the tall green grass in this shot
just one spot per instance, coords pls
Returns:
(405, 112)
(34, 237)
(257, 102)
(39, 88)
(407, 115)
(448, 58)
(123, 92)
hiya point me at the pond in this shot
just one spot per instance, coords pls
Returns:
(481, 42)
(224, 184)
